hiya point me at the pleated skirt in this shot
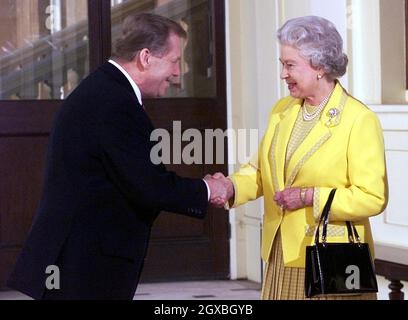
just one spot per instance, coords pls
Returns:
(287, 283)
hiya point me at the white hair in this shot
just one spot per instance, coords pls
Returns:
(317, 40)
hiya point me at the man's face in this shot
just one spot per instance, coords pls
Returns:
(163, 70)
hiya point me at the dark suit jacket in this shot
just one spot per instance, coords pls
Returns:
(101, 195)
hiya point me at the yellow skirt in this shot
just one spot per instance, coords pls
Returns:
(286, 283)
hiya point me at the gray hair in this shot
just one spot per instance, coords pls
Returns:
(318, 40)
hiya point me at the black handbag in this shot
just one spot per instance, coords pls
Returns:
(338, 268)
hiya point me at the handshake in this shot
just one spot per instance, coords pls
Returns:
(222, 189)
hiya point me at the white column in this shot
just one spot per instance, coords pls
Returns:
(267, 57)
(253, 88)
(366, 51)
(240, 85)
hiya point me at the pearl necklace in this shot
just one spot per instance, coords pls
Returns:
(309, 116)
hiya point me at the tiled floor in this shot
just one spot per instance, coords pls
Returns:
(200, 290)
(204, 290)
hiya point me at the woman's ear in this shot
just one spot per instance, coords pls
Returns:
(320, 73)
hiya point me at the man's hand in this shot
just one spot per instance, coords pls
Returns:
(221, 188)
(291, 199)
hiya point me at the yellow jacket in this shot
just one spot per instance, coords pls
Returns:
(343, 151)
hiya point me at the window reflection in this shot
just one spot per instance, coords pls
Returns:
(43, 48)
(198, 62)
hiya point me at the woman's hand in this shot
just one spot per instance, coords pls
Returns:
(294, 198)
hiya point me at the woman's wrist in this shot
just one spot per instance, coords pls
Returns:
(309, 193)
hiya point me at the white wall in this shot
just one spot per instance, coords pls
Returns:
(378, 51)
(379, 80)
(392, 51)
(243, 113)
(391, 228)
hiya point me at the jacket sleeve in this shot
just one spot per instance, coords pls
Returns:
(248, 179)
(367, 194)
(247, 182)
(126, 147)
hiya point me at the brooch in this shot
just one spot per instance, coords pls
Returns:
(334, 117)
(333, 112)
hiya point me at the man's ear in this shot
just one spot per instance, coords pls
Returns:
(144, 57)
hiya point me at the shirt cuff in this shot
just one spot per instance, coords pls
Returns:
(208, 190)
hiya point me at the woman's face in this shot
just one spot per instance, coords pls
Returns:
(300, 76)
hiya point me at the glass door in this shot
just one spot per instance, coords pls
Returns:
(44, 48)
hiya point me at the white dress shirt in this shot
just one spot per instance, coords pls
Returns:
(132, 83)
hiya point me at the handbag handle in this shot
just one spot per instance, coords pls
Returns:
(324, 219)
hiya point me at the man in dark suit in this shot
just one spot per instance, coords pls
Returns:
(101, 191)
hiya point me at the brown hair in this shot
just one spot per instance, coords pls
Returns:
(145, 30)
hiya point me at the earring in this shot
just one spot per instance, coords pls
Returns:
(319, 76)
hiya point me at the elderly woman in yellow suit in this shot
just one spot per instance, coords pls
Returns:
(318, 138)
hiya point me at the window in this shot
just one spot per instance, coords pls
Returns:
(44, 48)
(47, 47)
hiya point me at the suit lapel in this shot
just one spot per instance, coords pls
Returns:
(119, 77)
(318, 135)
